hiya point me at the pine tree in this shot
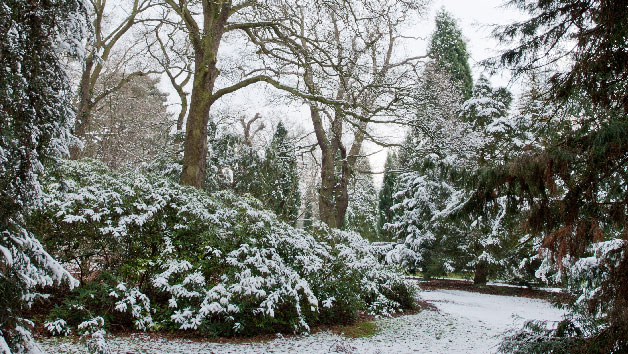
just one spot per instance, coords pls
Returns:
(449, 50)
(386, 196)
(35, 119)
(234, 165)
(282, 194)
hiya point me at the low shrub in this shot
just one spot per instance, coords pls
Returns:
(152, 254)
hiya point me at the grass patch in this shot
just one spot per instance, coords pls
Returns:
(360, 329)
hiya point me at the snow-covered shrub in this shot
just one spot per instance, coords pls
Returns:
(598, 313)
(94, 336)
(542, 337)
(58, 327)
(174, 257)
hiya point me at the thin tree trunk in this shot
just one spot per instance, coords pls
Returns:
(481, 273)
(84, 109)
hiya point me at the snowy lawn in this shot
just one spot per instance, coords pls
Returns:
(464, 323)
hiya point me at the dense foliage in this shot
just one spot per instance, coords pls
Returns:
(452, 138)
(281, 193)
(574, 180)
(362, 210)
(152, 254)
(386, 196)
(35, 116)
(449, 51)
(590, 35)
(236, 165)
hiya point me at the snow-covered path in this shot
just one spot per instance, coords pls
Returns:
(464, 323)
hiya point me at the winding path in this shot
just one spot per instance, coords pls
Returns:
(464, 323)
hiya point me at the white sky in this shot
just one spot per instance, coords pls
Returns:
(475, 18)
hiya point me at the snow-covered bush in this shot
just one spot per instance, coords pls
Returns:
(597, 310)
(156, 254)
(94, 336)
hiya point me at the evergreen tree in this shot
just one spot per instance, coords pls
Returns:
(309, 206)
(282, 194)
(459, 139)
(449, 50)
(362, 210)
(35, 118)
(386, 196)
(575, 182)
(484, 240)
(235, 166)
(438, 142)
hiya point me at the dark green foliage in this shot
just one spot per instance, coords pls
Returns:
(234, 165)
(536, 338)
(574, 179)
(281, 193)
(178, 253)
(449, 50)
(386, 196)
(35, 115)
(273, 179)
(361, 214)
(599, 31)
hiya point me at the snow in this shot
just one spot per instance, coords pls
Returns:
(464, 323)
(500, 312)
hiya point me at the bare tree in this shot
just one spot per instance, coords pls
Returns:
(208, 23)
(346, 55)
(130, 126)
(173, 54)
(108, 36)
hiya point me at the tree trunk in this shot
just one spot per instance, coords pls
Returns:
(195, 145)
(326, 196)
(334, 193)
(84, 110)
(481, 273)
(342, 194)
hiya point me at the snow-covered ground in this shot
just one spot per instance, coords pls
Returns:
(464, 323)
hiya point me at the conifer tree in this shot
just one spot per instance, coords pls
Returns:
(449, 50)
(438, 141)
(386, 196)
(362, 210)
(35, 121)
(483, 241)
(282, 194)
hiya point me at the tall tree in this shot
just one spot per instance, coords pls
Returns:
(575, 183)
(35, 121)
(109, 54)
(439, 141)
(449, 50)
(280, 174)
(484, 241)
(354, 77)
(386, 195)
(130, 126)
(362, 209)
(591, 34)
